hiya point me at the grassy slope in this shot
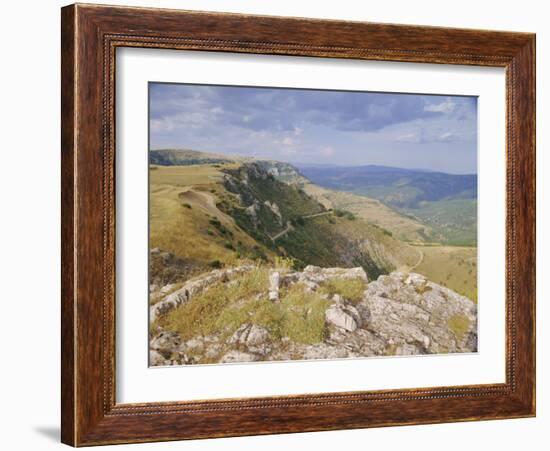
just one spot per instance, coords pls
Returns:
(327, 240)
(451, 266)
(189, 232)
(455, 221)
(372, 210)
(188, 227)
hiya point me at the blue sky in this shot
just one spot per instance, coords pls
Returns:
(321, 127)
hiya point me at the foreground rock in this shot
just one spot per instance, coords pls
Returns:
(407, 309)
(344, 316)
(398, 314)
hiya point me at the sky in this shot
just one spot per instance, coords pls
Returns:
(317, 127)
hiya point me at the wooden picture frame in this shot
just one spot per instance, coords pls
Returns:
(90, 36)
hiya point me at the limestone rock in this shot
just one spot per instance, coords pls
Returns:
(156, 358)
(165, 341)
(410, 310)
(166, 288)
(238, 356)
(249, 335)
(325, 351)
(275, 210)
(274, 279)
(319, 275)
(344, 316)
(194, 287)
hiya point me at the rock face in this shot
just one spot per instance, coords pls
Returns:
(410, 310)
(401, 314)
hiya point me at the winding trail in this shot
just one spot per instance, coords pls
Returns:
(419, 262)
(283, 232)
(289, 225)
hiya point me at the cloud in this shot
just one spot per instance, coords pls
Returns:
(306, 125)
(447, 106)
(447, 137)
(412, 137)
(293, 110)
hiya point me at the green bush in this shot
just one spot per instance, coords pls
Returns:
(216, 264)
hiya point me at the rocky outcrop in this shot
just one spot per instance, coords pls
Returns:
(274, 208)
(192, 288)
(312, 276)
(399, 314)
(407, 309)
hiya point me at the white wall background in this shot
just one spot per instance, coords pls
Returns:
(29, 178)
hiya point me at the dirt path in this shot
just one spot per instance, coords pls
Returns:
(419, 262)
(283, 232)
(203, 200)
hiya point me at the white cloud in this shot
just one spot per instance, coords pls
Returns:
(407, 138)
(448, 106)
(446, 137)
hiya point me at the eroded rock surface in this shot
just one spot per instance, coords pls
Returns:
(194, 287)
(398, 314)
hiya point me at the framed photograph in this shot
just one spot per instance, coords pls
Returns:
(279, 225)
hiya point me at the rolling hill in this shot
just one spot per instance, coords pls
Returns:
(445, 203)
(206, 213)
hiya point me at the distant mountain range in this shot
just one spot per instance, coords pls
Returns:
(398, 187)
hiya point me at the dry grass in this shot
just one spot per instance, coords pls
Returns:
(224, 307)
(218, 309)
(451, 266)
(371, 210)
(350, 289)
(459, 324)
(187, 232)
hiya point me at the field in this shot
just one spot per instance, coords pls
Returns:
(453, 221)
(451, 266)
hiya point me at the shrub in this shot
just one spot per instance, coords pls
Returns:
(215, 222)
(284, 262)
(216, 264)
(344, 214)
